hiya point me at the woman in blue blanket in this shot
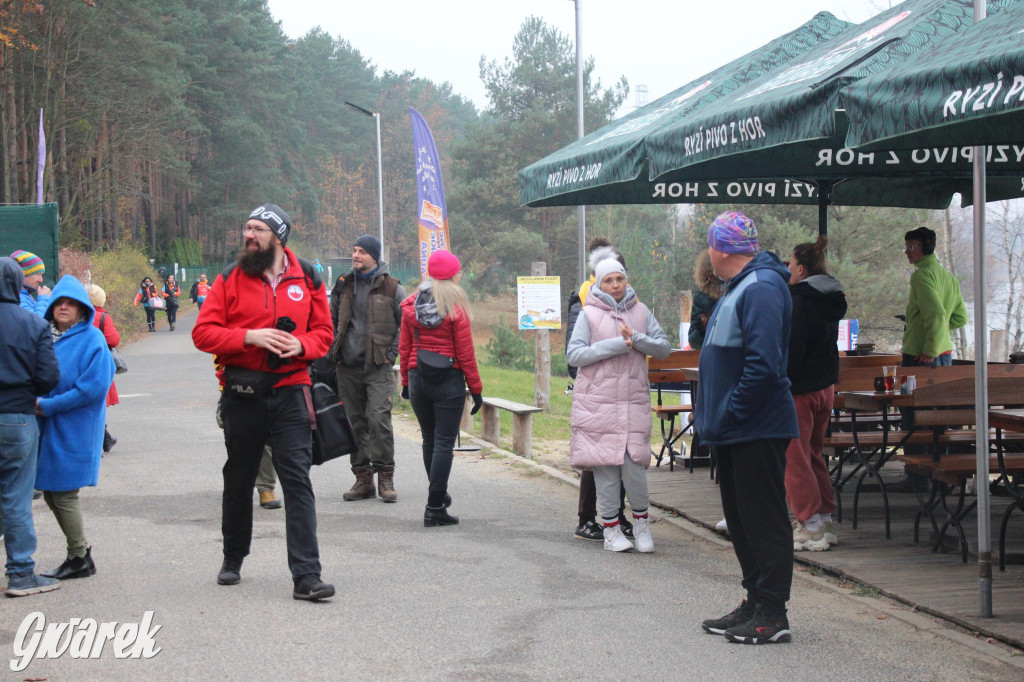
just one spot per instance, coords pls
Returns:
(72, 418)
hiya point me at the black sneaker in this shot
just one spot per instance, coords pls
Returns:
(311, 588)
(740, 615)
(626, 526)
(763, 628)
(591, 530)
(230, 572)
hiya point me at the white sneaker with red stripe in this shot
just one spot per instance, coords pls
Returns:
(615, 541)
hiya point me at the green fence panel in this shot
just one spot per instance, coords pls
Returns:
(32, 227)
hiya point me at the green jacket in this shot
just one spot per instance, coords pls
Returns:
(935, 307)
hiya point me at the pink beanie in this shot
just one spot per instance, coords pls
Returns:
(443, 265)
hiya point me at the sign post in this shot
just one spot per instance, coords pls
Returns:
(539, 304)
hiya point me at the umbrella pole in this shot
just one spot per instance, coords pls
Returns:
(824, 199)
(981, 373)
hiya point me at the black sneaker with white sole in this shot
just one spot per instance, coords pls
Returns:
(311, 588)
(764, 628)
(741, 614)
(627, 527)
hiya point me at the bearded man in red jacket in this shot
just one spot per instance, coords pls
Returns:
(266, 318)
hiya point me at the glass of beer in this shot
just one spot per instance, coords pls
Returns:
(889, 372)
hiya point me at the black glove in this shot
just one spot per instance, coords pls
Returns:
(405, 392)
(478, 402)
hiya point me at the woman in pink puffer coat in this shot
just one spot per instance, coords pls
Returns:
(611, 408)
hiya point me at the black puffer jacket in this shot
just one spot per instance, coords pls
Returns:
(818, 305)
(28, 366)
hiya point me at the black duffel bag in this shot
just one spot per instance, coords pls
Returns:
(333, 436)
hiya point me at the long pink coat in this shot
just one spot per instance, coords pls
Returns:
(611, 408)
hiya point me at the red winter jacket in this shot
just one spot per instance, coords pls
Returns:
(113, 338)
(453, 337)
(243, 302)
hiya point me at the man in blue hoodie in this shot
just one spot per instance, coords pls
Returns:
(745, 412)
(28, 369)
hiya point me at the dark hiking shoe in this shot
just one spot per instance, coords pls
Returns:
(591, 530)
(438, 517)
(230, 572)
(764, 628)
(740, 615)
(311, 588)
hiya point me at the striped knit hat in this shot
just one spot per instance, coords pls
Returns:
(30, 263)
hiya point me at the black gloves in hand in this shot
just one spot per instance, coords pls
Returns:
(478, 401)
(405, 392)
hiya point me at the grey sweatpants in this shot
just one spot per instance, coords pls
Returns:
(630, 475)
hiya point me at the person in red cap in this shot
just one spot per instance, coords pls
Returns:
(438, 361)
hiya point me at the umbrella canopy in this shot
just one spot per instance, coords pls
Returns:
(779, 137)
(609, 165)
(971, 91)
(801, 104)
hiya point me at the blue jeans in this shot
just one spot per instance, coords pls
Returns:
(438, 403)
(19, 451)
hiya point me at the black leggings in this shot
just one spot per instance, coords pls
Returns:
(172, 314)
(438, 403)
(150, 315)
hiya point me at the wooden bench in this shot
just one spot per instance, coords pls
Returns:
(947, 472)
(663, 373)
(872, 361)
(522, 424)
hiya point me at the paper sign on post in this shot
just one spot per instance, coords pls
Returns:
(540, 304)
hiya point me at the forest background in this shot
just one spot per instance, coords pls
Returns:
(168, 122)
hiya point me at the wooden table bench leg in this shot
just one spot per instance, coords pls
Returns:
(491, 425)
(522, 435)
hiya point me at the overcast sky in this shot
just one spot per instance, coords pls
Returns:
(662, 44)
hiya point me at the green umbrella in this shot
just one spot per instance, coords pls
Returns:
(970, 91)
(609, 165)
(779, 138)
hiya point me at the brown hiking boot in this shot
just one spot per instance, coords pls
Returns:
(362, 489)
(268, 500)
(386, 484)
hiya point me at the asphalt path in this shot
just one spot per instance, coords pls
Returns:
(508, 594)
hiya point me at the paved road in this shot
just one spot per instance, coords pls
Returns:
(505, 595)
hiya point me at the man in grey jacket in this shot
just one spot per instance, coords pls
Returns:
(365, 309)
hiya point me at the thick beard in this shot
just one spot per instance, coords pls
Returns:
(255, 262)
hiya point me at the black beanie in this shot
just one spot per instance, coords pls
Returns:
(369, 244)
(276, 219)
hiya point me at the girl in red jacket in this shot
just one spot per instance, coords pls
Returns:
(102, 320)
(438, 361)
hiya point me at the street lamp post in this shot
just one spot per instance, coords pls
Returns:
(380, 178)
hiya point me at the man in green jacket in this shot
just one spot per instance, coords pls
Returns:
(935, 306)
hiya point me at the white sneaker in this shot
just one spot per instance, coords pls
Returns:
(642, 533)
(615, 541)
(829, 530)
(804, 539)
(722, 526)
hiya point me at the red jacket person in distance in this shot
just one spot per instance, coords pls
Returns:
(266, 318)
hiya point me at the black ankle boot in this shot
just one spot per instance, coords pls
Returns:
(230, 572)
(78, 567)
(438, 517)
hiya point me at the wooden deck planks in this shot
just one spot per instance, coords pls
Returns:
(938, 582)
